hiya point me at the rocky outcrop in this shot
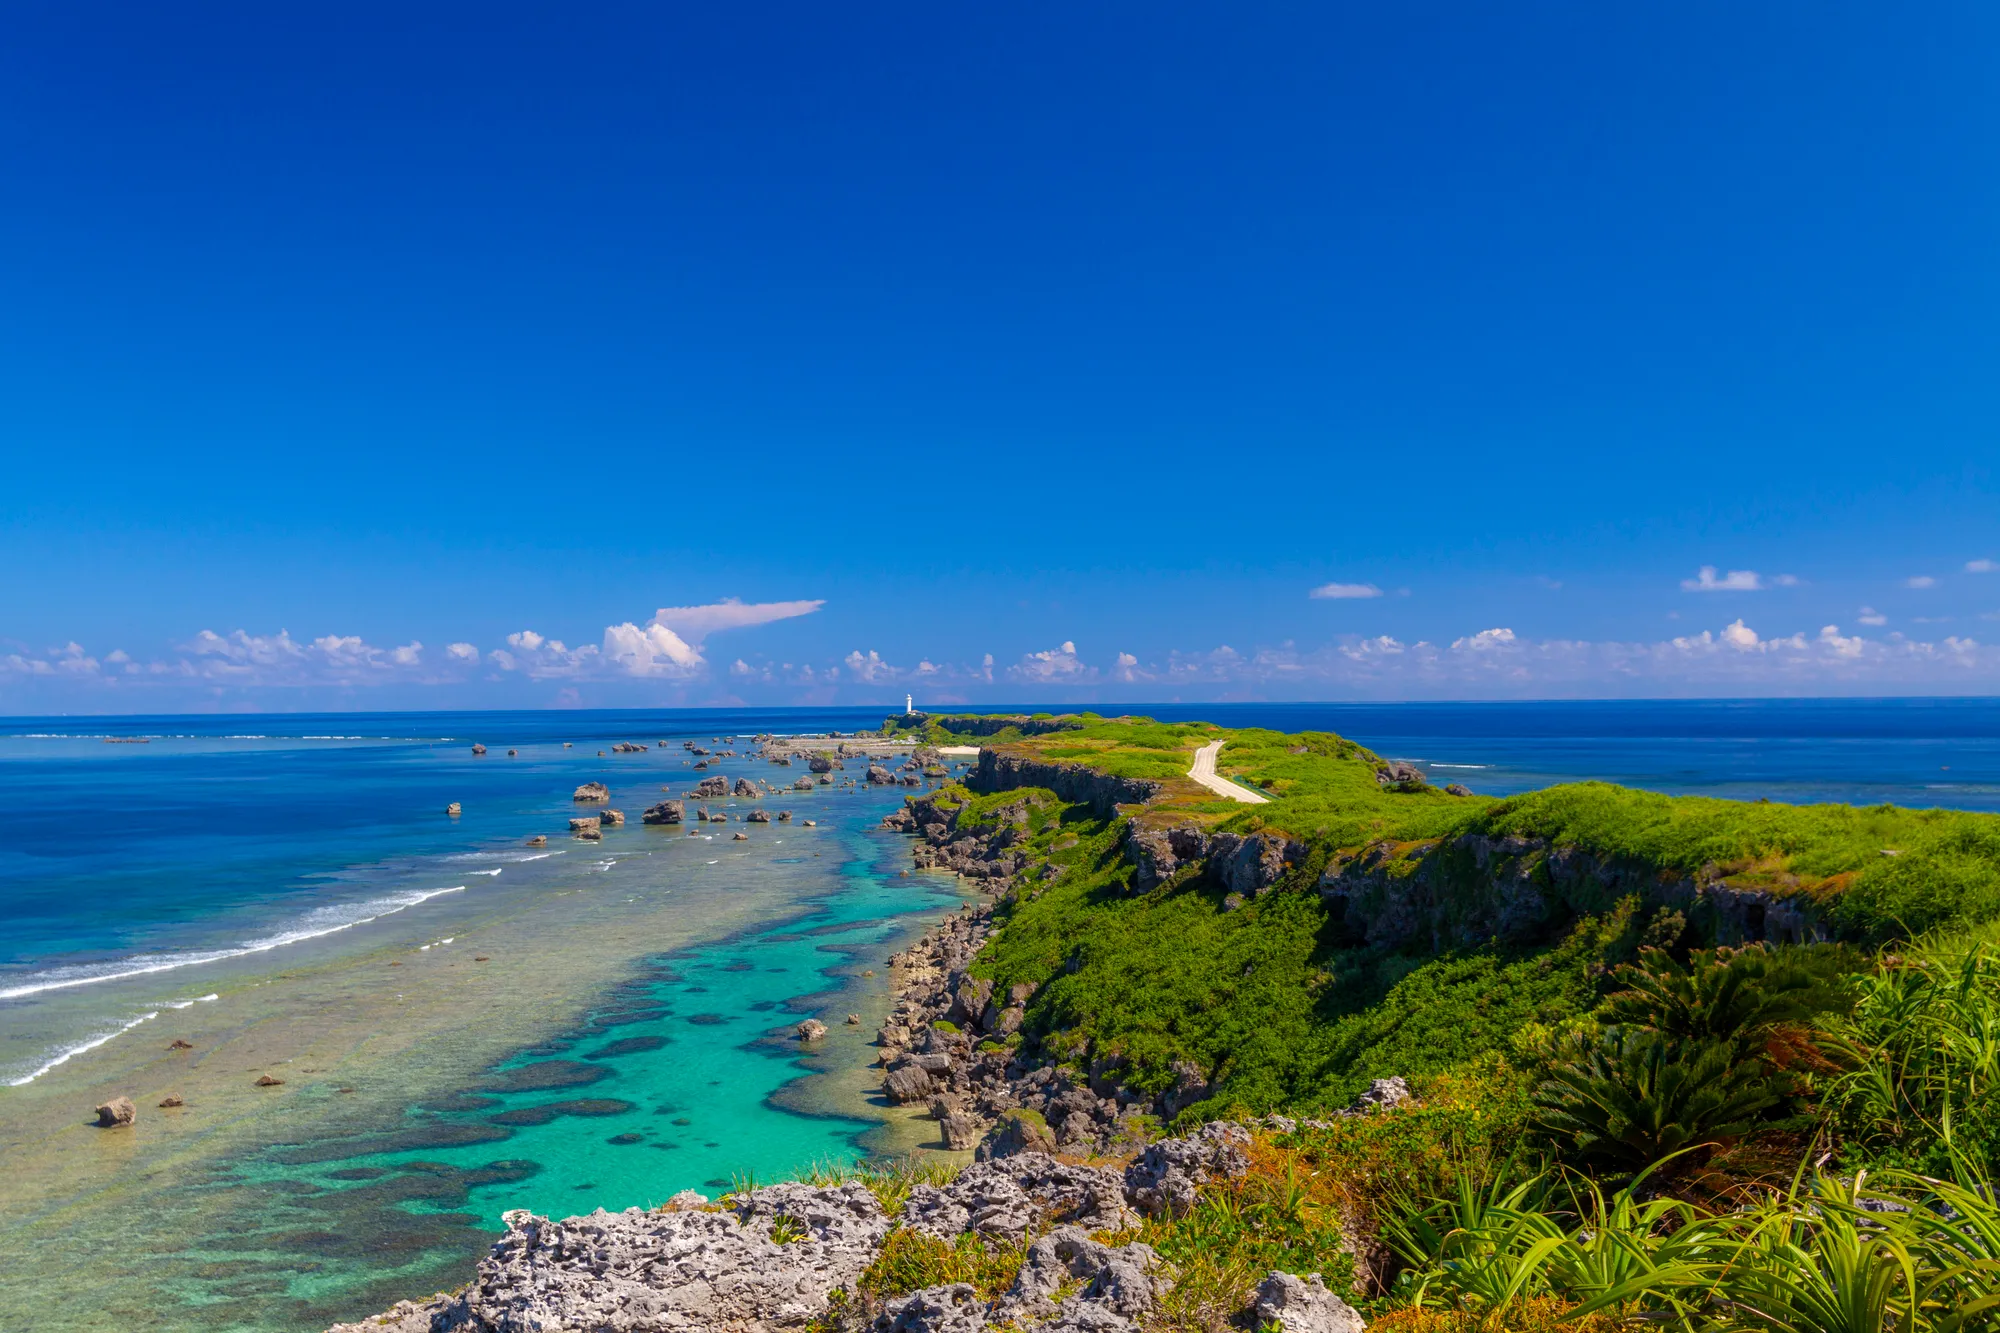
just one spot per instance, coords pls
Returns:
(1011, 1197)
(592, 791)
(990, 851)
(820, 763)
(117, 1113)
(746, 788)
(811, 1030)
(611, 818)
(1398, 776)
(710, 788)
(585, 824)
(879, 776)
(758, 816)
(666, 812)
(1166, 1178)
(1303, 1305)
(1480, 887)
(1102, 792)
(1250, 865)
(767, 1262)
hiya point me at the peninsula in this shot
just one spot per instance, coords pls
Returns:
(1266, 1030)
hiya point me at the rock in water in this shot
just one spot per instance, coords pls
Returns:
(758, 816)
(117, 1112)
(584, 825)
(746, 788)
(171, 1100)
(740, 837)
(612, 818)
(1303, 1305)
(178, 1045)
(539, 840)
(452, 809)
(666, 812)
(811, 1030)
(479, 749)
(879, 776)
(592, 791)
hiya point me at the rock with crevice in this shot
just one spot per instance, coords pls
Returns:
(592, 791)
(1010, 1197)
(1303, 1305)
(1166, 1179)
(666, 812)
(765, 1264)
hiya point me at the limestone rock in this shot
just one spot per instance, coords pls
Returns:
(1457, 789)
(766, 1264)
(711, 787)
(955, 1308)
(854, 1020)
(612, 818)
(1399, 776)
(666, 812)
(740, 837)
(1018, 1132)
(961, 1132)
(757, 816)
(268, 1081)
(1381, 1095)
(584, 823)
(539, 840)
(811, 1030)
(167, 1102)
(1167, 1177)
(820, 763)
(592, 791)
(746, 788)
(1126, 1281)
(879, 776)
(906, 1085)
(453, 809)
(1011, 1196)
(1303, 1305)
(179, 1045)
(479, 749)
(117, 1112)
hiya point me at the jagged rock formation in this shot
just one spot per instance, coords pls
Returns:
(745, 787)
(1073, 782)
(990, 853)
(592, 791)
(1303, 1305)
(1477, 887)
(1250, 865)
(710, 787)
(666, 812)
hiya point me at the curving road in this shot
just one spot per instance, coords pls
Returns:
(1204, 773)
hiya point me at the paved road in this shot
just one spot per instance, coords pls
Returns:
(1204, 773)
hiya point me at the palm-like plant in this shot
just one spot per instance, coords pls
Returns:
(1638, 1098)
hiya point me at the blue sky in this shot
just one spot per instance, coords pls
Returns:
(329, 331)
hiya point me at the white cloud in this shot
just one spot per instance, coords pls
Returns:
(871, 669)
(1920, 581)
(1870, 616)
(1486, 641)
(1126, 668)
(1052, 666)
(652, 651)
(1338, 591)
(695, 623)
(1829, 636)
(461, 652)
(1736, 580)
(1981, 566)
(1740, 636)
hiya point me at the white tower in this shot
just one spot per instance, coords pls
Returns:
(909, 704)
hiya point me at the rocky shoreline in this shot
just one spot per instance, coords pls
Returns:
(792, 1256)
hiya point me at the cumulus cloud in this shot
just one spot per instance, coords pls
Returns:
(1981, 566)
(461, 652)
(1485, 641)
(1342, 591)
(1920, 581)
(869, 669)
(1870, 616)
(1736, 580)
(695, 623)
(1052, 666)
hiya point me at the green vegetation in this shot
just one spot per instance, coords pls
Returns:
(1633, 1110)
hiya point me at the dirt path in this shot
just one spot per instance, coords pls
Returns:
(1204, 773)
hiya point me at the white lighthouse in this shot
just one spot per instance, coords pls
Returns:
(909, 704)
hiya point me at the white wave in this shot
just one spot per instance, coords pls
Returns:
(1461, 765)
(64, 1056)
(188, 1004)
(320, 921)
(482, 872)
